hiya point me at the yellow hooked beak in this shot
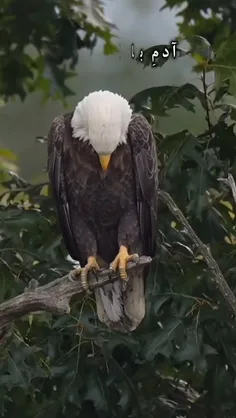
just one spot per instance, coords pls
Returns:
(104, 161)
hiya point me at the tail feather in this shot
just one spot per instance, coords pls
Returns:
(111, 297)
(134, 298)
(121, 305)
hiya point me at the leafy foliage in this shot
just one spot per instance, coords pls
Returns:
(168, 97)
(44, 43)
(181, 361)
(212, 20)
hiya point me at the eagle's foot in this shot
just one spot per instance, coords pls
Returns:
(74, 274)
(92, 264)
(121, 260)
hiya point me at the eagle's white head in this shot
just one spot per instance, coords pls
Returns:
(102, 118)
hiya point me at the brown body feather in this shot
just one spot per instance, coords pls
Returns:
(100, 211)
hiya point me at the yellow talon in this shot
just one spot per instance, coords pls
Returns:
(121, 260)
(92, 264)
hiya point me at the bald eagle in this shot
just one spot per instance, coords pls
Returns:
(103, 172)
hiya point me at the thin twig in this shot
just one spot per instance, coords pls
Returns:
(212, 264)
(208, 119)
(25, 189)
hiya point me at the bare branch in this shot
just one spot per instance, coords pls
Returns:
(55, 296)
(212, 264)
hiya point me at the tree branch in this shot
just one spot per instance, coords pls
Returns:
(208, 119)
(212, 264)
(55, 296)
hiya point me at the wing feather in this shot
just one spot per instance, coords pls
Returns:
(57, 139)
(142, 144)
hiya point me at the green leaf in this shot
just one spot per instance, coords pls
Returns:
(96, 392)
(110, 48)
(94, 14)
(224, 65)
(209, 351)
(126, 396)
(158, 303)
(7, 154)
(201, 49)
(190, 349)
(221, 91)
(160, 342)
(181, 147)
(165, 98)
(229, 110)
(17, 372)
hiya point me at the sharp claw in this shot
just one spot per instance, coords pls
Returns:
(83, 277)
(72, 274)
(91, 265)
(112, 269)
(120, 262)
(133, 257)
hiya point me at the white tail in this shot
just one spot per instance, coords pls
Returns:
(121, 305)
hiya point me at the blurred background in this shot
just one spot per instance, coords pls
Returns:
(138, 22)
